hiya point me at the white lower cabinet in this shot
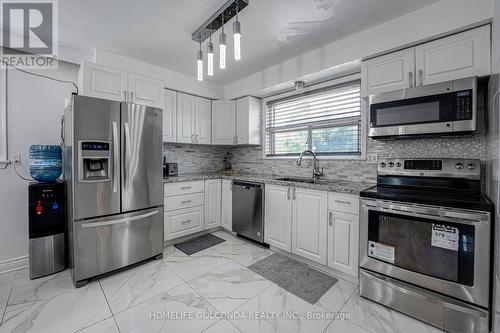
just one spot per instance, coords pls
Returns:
(278, 217)
(212, 203)
(309, 224)
(183, 222)
(227, 205)
(343, 233)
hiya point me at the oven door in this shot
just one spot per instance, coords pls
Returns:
(442, 249)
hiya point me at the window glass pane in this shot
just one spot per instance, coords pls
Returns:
(344, 139)
(292, 142)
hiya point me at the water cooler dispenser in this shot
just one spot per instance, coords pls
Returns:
(47, 225)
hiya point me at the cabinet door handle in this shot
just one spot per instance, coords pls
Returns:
(330, 219)
(186, 201)
(421, 76)
(185, 187)
(294, 193)
(187, 221)
(410, 79)
(132, 96)
(124, 96)
(343, 202)
(288, 194)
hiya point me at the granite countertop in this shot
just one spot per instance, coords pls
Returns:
(340, 186)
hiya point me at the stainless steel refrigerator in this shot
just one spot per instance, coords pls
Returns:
(113, 169)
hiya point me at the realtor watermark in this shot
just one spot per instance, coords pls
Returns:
(252, 315)
(29, 34)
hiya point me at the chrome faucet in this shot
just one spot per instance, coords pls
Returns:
(316, 172)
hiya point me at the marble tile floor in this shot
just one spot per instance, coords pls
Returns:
(210, 291)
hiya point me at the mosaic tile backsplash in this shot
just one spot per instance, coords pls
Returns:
(194, 159)
(249, 159)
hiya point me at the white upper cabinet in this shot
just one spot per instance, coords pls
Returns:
(110, 83)
(278, 217)
(248, 121)
(169, 116)
(454, 57)
(145, 90)
(203, 120)
(185, 118)
(102, 82)
(212, 203)
(459, 56)
(227, 205)
(309, 224)
(223, 122)
(389, 72)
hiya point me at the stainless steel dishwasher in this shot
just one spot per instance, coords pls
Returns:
(248, 210)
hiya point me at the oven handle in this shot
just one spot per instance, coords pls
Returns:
(453, 215)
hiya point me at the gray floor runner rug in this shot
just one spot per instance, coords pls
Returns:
(294, 276)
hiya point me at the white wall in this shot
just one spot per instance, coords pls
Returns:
(427, 23)
(35, 106)
(173, 80)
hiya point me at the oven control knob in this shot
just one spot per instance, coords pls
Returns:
(398, 164)
(391, 164)
(382, 165)
(459, 166)
(471, 166)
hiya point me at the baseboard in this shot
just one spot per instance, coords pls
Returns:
(14, 264)
(325, 269)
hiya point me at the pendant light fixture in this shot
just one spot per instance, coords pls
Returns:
(229, 10)
(222, 46)
(237, 36)
(210, 57)
(199, 62)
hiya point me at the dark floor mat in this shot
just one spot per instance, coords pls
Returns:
(199, 244)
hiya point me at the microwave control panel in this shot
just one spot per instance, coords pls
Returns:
(463, 105)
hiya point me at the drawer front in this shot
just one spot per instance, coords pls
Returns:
(183, 222)
(184, 201)
(184, 188)
(345, 203)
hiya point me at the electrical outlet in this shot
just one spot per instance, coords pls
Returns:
(371, 158)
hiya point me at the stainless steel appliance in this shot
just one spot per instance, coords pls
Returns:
(170, 169)
(425, 242)
(113, 169)
(248, 210)
(47, 228)
(436, 109)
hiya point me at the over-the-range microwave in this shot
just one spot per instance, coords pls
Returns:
(436, 109)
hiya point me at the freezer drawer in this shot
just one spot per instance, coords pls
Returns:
(105, 244)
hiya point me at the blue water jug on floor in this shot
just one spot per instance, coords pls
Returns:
(45, 162)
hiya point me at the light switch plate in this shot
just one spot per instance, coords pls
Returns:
(371, 158)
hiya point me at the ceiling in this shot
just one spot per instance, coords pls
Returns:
(159, 31)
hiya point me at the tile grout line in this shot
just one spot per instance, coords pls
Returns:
(340, 310)
(109, 306)
(7, 302)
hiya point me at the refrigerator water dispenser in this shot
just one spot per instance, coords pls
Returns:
(95, 161)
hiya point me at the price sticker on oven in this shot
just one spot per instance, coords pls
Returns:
(445, 237)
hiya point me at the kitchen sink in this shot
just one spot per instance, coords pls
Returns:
(298, 180)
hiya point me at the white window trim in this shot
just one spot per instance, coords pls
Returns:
(331, 83)
(3, 118)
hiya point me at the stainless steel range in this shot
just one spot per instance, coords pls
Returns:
(425, 242)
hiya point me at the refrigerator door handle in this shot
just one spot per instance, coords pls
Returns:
(117, 221)
(126, 153)
(116, 157)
